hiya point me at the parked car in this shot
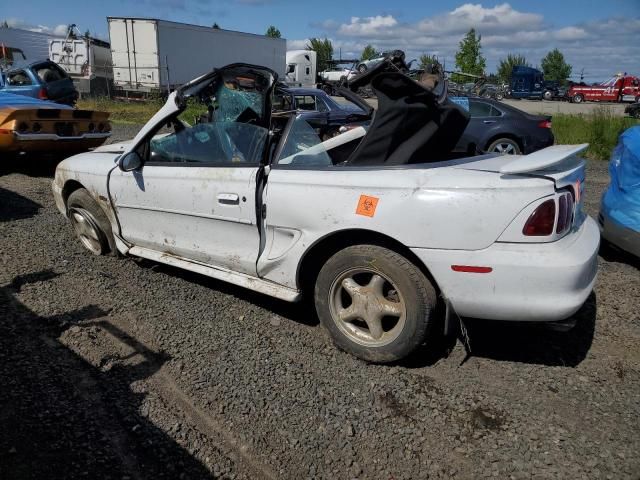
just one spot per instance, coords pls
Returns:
(336, 74)
(378, 226)
(499, 128)
(633, 110)
(320, 110)
(366, 65)
(31, 125)
(619, 216)
(43, 80)
(552, 90)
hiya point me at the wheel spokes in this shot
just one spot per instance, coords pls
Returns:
(377, 284)
(374, 322)
(370, 313)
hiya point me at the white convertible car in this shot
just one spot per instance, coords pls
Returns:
(379, 226)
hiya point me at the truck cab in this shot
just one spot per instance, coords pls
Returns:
(620, 88)
(301, 68)
(527, 82)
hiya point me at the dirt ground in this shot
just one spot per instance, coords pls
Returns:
(126, 369)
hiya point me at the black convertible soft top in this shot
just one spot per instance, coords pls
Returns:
(414, 123)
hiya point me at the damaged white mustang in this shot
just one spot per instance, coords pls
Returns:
(378, 225)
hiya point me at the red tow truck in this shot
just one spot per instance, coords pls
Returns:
(621, 88)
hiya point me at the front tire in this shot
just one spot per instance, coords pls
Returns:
(362, 68)
(578, 98)
(376, 305)
(90, 223)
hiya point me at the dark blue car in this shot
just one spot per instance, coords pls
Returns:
(43, 80)
(497, 127)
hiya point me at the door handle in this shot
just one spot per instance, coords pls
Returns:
(228, 198)
(488, 121)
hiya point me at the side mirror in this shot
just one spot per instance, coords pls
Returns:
(130, 161)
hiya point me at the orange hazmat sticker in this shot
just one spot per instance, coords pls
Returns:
(367, 206)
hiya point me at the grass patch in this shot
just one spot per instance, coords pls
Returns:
(600, 130)
(133, 113)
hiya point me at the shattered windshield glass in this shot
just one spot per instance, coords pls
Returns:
(223, 121)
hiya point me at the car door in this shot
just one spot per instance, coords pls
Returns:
(195, 195)
(484, 121)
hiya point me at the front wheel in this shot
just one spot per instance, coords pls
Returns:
(362, 68)
(547, 95)
(504, 146)
(376, 305)
(90, 223)
(578, 98)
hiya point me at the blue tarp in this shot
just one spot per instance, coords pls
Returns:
(621, 200)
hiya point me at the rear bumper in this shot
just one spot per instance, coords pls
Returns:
(50, 142)
(621, 236)
(528, 282)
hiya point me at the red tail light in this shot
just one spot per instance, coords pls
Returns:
(565, 212)
(544, 124)
(542, 220)
(42, 94)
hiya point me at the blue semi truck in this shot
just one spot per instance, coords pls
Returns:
(529, 83)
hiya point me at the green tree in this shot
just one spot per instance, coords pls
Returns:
(368, 53)
(426, 60)
(554, 66)
(324, 49)
(469, 57)
(505, 66)
(215, 26)
(273, 32)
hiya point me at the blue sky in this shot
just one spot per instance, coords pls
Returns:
(600, 36)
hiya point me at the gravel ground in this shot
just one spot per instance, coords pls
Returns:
(126, 369)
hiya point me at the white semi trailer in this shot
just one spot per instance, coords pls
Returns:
(151, 55)
(87, 61)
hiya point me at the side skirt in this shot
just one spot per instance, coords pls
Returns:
(240, 279)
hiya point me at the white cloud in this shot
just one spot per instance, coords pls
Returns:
(59, 30)
(367, 26)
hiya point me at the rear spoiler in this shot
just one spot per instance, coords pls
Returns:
(542, 158)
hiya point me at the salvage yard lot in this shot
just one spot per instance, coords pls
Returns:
(149, 372)
(598, 125)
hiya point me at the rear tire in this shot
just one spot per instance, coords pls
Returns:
(376, 305)
(90, 223)
(505, 146)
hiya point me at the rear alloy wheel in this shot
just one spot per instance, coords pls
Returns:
(89, 222)
(578, 98)
(505, 146)
(375, 303)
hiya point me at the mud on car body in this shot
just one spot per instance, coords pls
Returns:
(378, 226)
